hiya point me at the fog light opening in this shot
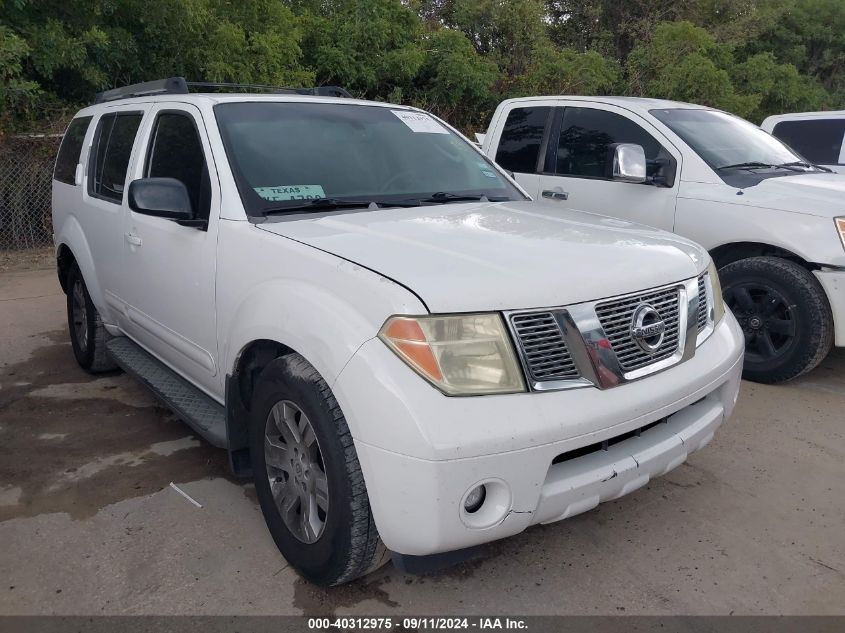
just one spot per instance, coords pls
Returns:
(475, 499)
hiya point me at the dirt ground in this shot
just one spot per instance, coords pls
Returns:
(753, 524)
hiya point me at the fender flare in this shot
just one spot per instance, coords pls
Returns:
(72, 236)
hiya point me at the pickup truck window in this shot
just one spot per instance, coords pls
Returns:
(817, 140)
(176, 152)
(585, 137)
(285, 152)
(113, 149)
(726, 142)
(71, 148)
(519, 145)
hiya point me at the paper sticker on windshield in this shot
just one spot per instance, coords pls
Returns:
(291, 192)
(420, 122)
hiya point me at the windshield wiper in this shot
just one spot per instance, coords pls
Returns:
(749, 165)
(323, 204)
(758, 165)
(319, 204)
(444, 197)
(805, 164)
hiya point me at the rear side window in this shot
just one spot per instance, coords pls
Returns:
(585, 138)
(176, 152)
(521, 138)
(817, 140)
(112, 151)
(70, 150)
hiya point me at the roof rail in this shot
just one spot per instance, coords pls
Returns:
(178, 85)
(320, 91)
(171, 85)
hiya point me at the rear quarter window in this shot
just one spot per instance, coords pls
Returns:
(817, 140)
(70, 150)
(519, 145)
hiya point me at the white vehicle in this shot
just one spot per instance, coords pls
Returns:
(773, 223)
(376, 322)
(817, 136)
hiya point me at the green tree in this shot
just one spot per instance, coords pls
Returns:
(567, 71)
(454, 81)
(684, 62)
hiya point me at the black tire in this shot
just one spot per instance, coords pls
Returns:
(349, 545)
(88, 335)
(785, 316)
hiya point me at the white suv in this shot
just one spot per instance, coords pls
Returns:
(773, 223)
(377, 323)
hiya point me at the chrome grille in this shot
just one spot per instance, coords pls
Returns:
(615, 317)
(543, 348)
(702, 304)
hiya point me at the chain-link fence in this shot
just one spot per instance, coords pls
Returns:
(26, 167)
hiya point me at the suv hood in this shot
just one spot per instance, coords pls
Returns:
(816, 194)
(499, 256)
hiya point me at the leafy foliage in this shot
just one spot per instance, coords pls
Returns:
(457, 58)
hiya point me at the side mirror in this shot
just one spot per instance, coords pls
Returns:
(162, 198)
(629, 164)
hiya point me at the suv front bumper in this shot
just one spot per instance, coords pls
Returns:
(539, 455)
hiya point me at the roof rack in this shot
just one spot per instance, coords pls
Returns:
(178, 86)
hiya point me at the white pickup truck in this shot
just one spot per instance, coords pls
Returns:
(773, 223)
(404, 351)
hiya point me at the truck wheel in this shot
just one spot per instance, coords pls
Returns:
(88, 335)
(307, 476)
(784, 314)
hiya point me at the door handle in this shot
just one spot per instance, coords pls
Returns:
(555, 195)
(132, 239)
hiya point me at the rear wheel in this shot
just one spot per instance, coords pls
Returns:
(88, 335)
(784, 314)
(308, 478)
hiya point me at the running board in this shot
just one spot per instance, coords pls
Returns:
(201, 413)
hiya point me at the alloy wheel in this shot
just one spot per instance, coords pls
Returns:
(296, 472)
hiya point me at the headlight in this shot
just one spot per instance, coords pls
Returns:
(468, 354)
(840, 225)
(716, 287)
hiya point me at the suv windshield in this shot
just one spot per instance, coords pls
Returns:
(727, 142)
(320, 156)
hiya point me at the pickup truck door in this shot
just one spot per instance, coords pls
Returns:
(169, 270)
(576, 171)
(559, 152)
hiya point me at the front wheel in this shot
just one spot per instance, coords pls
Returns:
(784, 314)
(308, 478)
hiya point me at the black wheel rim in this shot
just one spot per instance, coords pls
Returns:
(767, 318)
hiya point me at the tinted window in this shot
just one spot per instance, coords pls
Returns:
(114, 140)
(70, 150)
(817, 140)
(585, 138)
(176, 152)
(519, 145)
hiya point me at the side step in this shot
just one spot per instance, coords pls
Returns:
(201, 413)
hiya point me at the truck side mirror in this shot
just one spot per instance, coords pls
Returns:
(162, 198)
(629, 164)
